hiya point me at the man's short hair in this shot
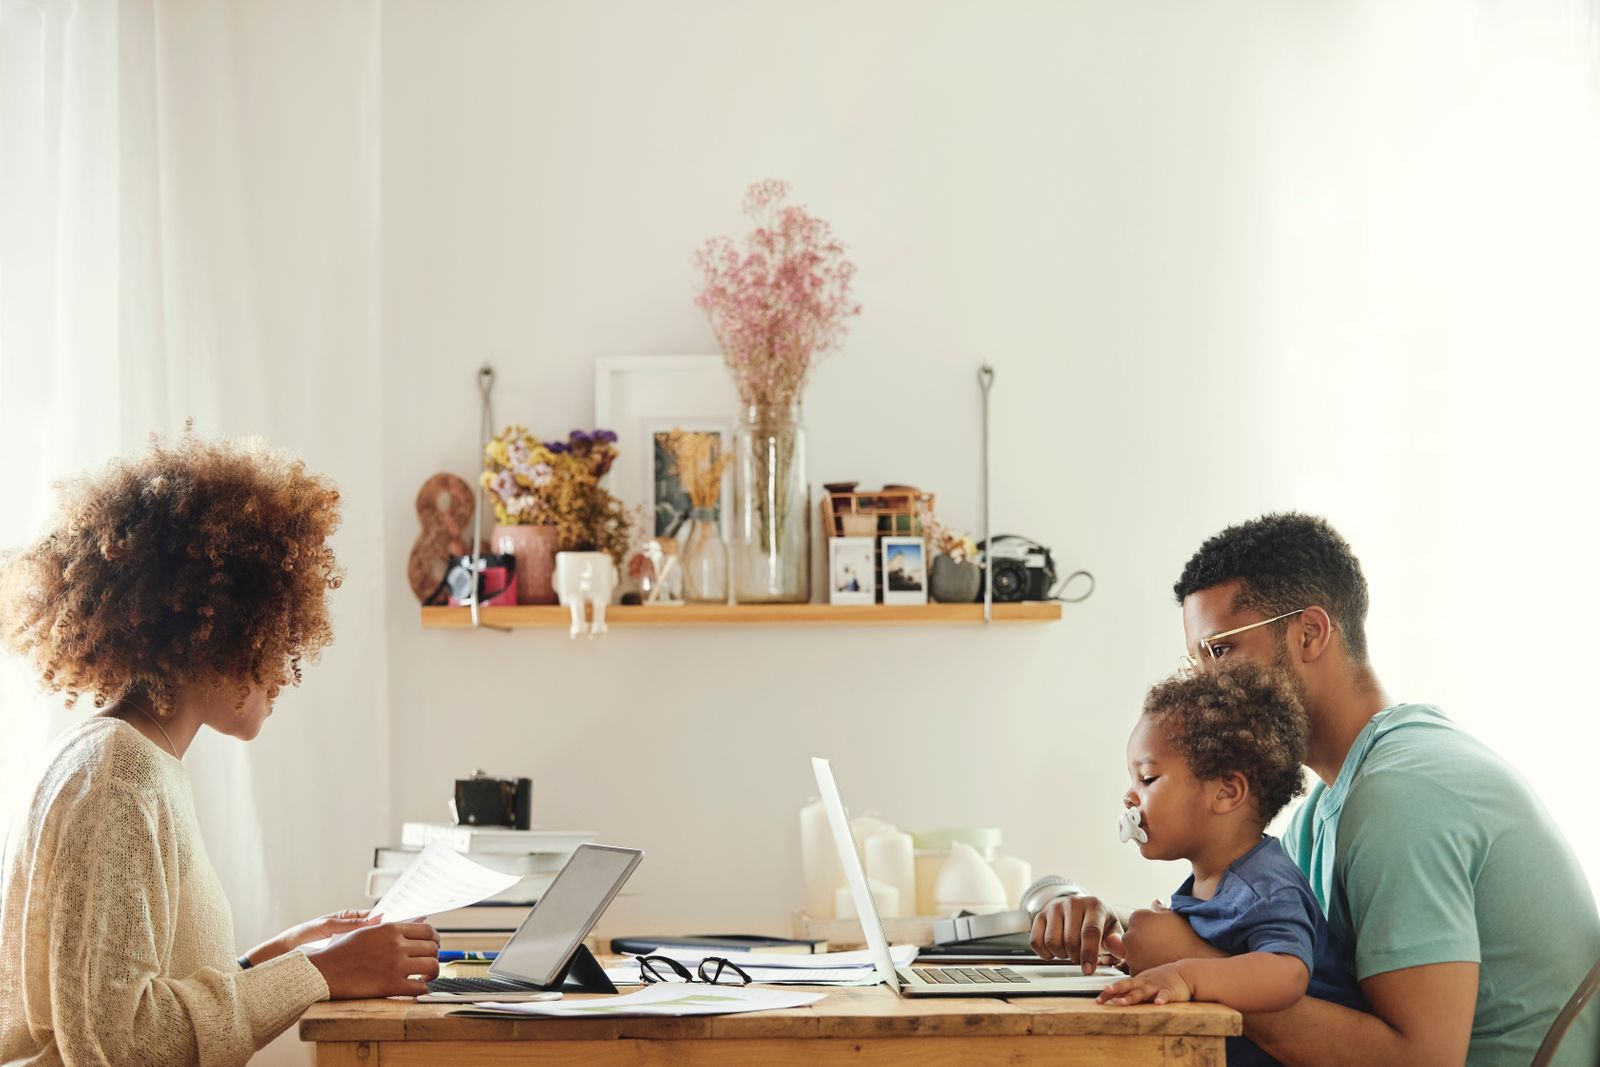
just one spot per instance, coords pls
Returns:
(1284, 562)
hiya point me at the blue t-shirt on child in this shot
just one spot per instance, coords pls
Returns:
(1264, 904)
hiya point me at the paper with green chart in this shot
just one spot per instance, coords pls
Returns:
(672, 999)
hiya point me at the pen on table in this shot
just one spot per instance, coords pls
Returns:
(453, 955)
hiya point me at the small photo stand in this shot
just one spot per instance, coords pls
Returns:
(905, 570)
(850, 570)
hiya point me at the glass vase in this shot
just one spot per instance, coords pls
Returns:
(705, 560)
(771, 548)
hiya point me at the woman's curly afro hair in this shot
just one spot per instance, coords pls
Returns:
(196, 563)
(1237, 718)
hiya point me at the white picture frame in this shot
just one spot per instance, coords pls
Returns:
(905, 570)
(638, 395)
(850, 564)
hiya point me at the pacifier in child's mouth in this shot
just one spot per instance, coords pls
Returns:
(1128, 827)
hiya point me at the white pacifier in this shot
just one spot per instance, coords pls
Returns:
(1128, 827)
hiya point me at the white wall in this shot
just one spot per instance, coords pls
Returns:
(1199, 243)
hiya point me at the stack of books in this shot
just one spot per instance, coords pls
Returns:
(536, 855)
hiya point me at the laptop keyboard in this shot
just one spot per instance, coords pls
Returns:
(971, 975)
(475, 985)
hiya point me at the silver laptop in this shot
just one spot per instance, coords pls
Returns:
(537, 955)
(929, 980)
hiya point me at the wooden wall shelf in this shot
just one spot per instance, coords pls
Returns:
(556, 617)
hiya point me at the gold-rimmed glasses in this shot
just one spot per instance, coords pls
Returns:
(1208, 644)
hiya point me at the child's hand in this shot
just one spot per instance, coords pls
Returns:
(1159, 985)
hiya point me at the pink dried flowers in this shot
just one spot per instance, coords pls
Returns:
(780, 302)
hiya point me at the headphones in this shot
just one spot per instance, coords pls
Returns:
(1019, 921)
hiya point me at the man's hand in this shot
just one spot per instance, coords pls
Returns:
(1160, 985)
(334, 925)
(1078, 929)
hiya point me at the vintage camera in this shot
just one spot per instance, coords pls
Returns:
(484, 801)
(1019, 568)
(496, 580)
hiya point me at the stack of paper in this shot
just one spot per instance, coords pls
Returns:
(821, 968)
(437, 880)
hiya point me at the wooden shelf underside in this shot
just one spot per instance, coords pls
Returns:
(539, 616)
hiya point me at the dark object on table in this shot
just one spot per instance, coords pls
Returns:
(839, 487)
(1020, 569)
(640, 946)
(484, 801)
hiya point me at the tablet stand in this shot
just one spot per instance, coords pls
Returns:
(583, 974)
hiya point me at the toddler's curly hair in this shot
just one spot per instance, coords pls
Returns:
(200, 562)
(1237, 718)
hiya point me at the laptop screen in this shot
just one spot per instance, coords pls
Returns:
(565, 914)
(854, 875)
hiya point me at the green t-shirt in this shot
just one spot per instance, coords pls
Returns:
(1430, 848)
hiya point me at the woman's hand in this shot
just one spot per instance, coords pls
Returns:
(379, 961)
(1160, 985)
(334, 925)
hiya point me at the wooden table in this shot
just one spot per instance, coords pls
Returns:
(863, 1025)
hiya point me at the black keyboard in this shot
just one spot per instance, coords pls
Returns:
(970, 975)
(477, 985)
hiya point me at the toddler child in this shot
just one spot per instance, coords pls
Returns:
(1214, 757)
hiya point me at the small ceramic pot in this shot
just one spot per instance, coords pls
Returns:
(535, 549)
(950, 582)
(586, 580)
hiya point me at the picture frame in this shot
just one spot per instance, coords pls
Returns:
(666, 501)
(905, 570)
(640, 396)
(850, 570)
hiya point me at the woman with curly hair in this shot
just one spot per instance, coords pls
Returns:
(180, 590)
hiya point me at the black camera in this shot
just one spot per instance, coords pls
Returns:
(1019, 569)
(484, 801)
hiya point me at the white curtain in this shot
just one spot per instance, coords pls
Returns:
(1437, 200)
(187, 230)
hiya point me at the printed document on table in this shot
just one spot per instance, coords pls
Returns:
(675, 999)
(816, 961)
(439, 879)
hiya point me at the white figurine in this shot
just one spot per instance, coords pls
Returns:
(1128, 827)
(585, 578)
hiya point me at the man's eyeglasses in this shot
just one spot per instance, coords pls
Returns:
(665, 969)
(1207, 646)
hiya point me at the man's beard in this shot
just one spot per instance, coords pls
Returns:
(1283, 670)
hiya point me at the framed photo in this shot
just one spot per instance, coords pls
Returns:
(905, 570)
(642, 396)
(667, 503)
(850, 579)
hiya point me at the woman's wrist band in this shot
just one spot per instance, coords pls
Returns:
(244, 963)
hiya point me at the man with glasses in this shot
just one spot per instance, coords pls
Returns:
(1466, 915)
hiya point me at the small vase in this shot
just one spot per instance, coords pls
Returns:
(586, 581)
(771, 550)
(535, 550)
(705, 560)
(950, 582)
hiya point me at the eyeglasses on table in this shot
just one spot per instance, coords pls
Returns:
(666, 969)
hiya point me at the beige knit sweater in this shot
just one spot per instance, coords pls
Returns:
(116, 941)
